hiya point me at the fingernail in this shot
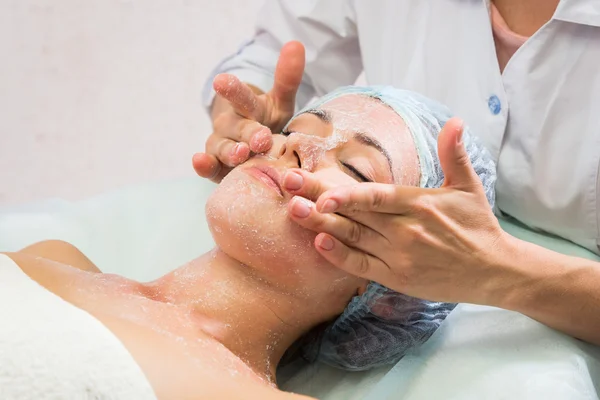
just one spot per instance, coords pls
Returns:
(461, 129)
(329, 206)
(239, 154)
(301, 207)
(325, 243)
(293, 181)
(238, 149)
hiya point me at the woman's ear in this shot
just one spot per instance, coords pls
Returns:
(362, 288)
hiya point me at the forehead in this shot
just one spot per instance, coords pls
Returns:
(355, 112)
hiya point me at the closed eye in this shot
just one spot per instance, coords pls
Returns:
(354, 171)
(357, 173)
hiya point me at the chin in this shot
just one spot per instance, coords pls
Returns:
(250, 223)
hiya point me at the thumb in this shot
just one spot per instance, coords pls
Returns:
(288, 76)
(454, 159)
(303, 183)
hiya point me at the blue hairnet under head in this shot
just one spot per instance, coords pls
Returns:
(381, 325)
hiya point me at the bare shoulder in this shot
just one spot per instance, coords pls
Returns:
(54, 250)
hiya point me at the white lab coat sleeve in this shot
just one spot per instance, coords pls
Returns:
(327, 29)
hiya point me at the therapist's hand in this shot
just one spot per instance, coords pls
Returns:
(438, 244)
(244, 119)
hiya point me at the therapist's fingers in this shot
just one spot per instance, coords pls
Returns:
(350, 232)
(373, 197)
(227, 151)
(258, 136)
(303, 183)
(351, 260)
(454, 159)
(288, 76)
(207, 166)
(229, 125)
(241, 97)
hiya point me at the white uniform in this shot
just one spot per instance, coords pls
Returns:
(540, 118)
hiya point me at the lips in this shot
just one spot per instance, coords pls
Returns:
(270, 177)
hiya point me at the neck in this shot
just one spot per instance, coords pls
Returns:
(526, 17)
(243, 312)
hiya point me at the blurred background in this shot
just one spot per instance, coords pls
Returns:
(99, 94)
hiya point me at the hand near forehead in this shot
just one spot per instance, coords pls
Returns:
(436, 244)
(248, 121)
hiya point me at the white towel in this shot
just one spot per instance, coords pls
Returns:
(50, 349)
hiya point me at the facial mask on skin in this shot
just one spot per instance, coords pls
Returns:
(424, 118)
(313, 148)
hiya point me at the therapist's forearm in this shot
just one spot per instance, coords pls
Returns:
(557, 290)
(220, 105)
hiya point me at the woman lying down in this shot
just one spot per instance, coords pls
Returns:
(219, 326)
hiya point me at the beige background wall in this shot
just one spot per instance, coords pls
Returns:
(98, 94)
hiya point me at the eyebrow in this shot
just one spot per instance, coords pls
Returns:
(360, 137)
(323, 115)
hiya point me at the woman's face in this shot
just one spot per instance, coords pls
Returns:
(348, 140)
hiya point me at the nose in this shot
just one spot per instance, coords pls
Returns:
(302, 151)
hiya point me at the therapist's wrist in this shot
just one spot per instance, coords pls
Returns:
(500, 273)
(527, 275)
(557, 290)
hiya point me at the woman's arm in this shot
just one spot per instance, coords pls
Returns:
(557, 290)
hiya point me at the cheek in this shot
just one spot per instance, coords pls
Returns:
(330, 174)
(243, 213)
(253, 227)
